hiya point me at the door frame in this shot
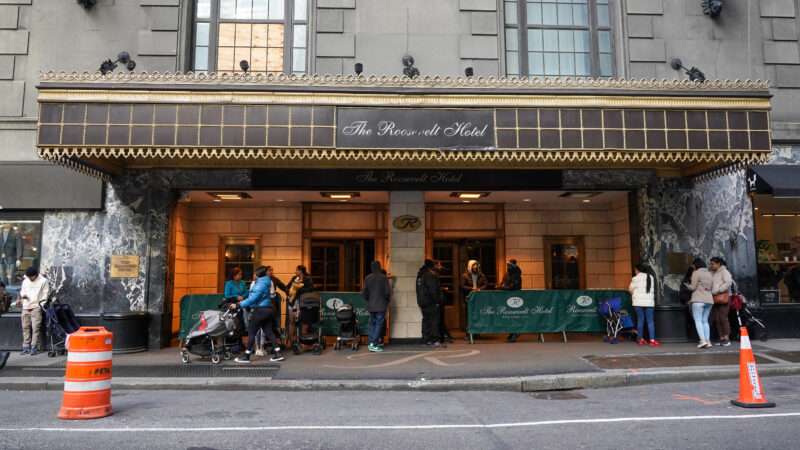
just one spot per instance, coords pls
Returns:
(224, 240)
(548, 257)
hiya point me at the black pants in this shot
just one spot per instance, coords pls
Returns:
(443, 332)
(260, 319)
(430, 324)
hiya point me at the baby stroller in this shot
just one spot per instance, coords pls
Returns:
(617, 320)
(308, 329)
(215, 335)
(59, 323)
(756, 328)
(348, 327)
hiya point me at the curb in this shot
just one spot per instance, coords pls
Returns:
(590, 380)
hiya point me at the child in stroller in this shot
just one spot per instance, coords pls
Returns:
(308, 332)
(617, 320)
(348, 327)
(59, 322)
(216, 335)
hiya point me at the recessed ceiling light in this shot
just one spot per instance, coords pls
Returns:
(466, 201)
(579, 194)
(229, 195)
(756, 208)
(526, 200)
(279, 200)
(469, 195)
(216, 200)
(340, 195)
(586, 200)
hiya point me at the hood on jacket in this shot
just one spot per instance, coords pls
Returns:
(470, 264)
(376, 267)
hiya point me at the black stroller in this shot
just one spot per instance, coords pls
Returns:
(348, 328)
(216, 334)
(307, 321)
(756, 328)
(59, 323)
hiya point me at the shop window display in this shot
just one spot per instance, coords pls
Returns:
(778, 247)
(20, 247)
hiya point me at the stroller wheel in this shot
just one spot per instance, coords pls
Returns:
(185, 357)
(51, 354)
(216, 358)
(227, 356)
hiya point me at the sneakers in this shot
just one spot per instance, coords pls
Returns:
(375, 348)
(277, 357)
(244, 358)
(702, 344)
(25, 351)
(654, 343)
(725, 344)
(512, 338)
(641, 342)
(34, 351)
(435, 344)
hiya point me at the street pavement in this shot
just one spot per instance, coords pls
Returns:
(669, 416)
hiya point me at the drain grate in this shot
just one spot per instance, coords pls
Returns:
(558, 395)
(171, 371)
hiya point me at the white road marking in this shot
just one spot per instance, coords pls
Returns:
(404, 427)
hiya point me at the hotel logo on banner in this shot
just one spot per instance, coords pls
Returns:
(582, 306)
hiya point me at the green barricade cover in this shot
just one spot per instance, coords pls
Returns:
(330, 300)
(549, 311)
(191, 305)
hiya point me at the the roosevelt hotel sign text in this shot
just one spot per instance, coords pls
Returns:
(414, 128)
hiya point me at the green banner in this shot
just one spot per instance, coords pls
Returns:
(330, 300)
(191, 305)
(549, 311)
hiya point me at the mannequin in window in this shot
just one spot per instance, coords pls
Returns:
(10, 252)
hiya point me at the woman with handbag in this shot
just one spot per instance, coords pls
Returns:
(642, 289)
(721, 292)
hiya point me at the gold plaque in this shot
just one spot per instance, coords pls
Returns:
(407, 223)
(124, 266)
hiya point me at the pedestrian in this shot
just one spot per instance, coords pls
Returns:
(721, 293)
(512, 281)
(34, 290)
(377, 293)
(642, 289)
(262, 316)
(236, 291)
(5, 305)
(701, 301)
(473, 280)
(276, 299)
(438, 270)
(428, 300)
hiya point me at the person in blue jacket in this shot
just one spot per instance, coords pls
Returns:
(261, 318)
(235, 288)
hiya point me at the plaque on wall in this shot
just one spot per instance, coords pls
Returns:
(407, 223)
(124, 266)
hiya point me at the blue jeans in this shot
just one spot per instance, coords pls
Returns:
(700, 313)
(643, 312)
(376, 325)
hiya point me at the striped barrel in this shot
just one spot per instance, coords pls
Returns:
(87, 383)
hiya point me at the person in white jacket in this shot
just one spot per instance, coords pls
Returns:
(642, 289)
(34, 290)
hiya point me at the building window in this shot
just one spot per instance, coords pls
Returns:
(777, 222)
(558, 38)
(271, 35)
(20, 248)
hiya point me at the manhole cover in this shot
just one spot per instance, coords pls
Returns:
(558, 395)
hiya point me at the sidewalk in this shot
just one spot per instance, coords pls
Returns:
(489, 364)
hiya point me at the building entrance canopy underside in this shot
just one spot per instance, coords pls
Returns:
(102, 125)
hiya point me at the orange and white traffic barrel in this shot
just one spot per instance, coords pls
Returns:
(87, 383)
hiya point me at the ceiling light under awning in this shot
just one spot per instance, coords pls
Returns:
(579, 194)
(340, 195)
(469, 195)
(219, 196)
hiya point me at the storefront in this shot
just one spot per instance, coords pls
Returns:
(204, 174)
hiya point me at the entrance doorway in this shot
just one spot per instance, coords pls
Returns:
(454, 255)
(341, 265)
(564, 263)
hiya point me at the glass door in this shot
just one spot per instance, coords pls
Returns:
(454, 255)
(341, 265)
(564, 263)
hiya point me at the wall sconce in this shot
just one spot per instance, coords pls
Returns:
(469, 72)
(124, 57)
(244, 65)
(358, 68)
(87, 4)
(712, 8)
(694, 73)
(409, 70)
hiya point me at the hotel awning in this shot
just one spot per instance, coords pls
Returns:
(102, 125)
(777, 180)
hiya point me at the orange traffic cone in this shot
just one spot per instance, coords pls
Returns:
(751, 393)
(87, 382)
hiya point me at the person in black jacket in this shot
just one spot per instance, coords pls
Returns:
(438, 269)
(377, 292)
(428, 299)
(5, 304)
(512, 281)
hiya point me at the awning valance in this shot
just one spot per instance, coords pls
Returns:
(146, 120)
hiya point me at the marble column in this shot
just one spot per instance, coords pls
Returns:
(406, 255)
